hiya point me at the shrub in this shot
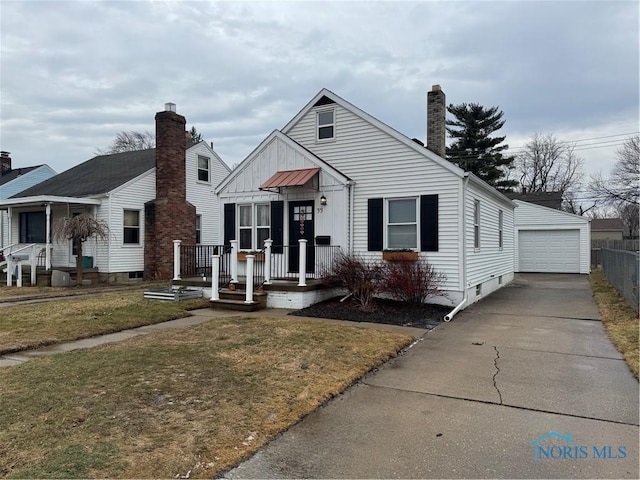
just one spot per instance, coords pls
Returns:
(413, 282)
(363, 280)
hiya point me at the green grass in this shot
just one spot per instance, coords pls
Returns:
(196, 399)
(620, 320)
(35, 325)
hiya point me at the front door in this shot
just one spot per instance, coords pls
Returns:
(301, 226)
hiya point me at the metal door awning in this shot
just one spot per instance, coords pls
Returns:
(305, 177)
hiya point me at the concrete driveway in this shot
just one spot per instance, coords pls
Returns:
(479, 398)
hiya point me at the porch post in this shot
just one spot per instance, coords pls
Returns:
(302, 263)
(176, 259)
(267, 261)
(9, 259)
(249, 289)
(215, 277)
(234, 261)
(34, 261)
(9, 226)
(47, 253)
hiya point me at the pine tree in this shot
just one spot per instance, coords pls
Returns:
(474, 150)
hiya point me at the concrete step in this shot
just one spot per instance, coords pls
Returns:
(237, 294)
(237, 305)
(235, 300)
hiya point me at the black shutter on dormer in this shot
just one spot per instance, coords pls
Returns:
(429, 223)
(229, 223)
(277, 226)
(375, 225)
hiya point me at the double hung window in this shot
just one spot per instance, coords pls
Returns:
(402, 223)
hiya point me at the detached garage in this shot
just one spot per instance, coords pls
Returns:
(550, 241)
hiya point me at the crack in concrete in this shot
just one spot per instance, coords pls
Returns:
(495, 363)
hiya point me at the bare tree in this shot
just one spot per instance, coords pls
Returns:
(129, 142)
(549, 165)
(621, 188)
(78, 229)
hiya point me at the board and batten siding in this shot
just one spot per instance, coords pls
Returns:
(277, 155)
(202, 194)
(383, 167)
(529, 216)
(488, 266)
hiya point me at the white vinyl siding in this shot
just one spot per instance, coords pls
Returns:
(202, 195)
(383, 167)
(278, 153)
(530, 217)
(491, 261)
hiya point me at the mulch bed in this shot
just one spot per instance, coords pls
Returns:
(384, 311)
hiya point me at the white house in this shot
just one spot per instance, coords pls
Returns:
(550, 240)
(335, 174)
(15, 180)
(121, 190)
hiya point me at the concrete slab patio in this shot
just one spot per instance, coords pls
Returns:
(473, 398)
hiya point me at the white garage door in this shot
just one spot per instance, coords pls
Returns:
(555, 251)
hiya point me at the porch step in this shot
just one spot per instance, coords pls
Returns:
(235, 300)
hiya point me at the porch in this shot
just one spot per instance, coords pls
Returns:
(277, 276)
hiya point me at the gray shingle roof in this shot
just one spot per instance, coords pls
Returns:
(544, 199)
(97, 176)
(607, 224)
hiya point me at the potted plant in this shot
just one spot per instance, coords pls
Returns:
(259, 255)
(399, 255)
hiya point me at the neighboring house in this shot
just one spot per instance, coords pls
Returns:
(549, 240)
(607, 229)
(16, 180)
(148, 198)
(335, 174)
(545, 199)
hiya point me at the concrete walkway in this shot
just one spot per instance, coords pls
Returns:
(475, 397)
(198, 316)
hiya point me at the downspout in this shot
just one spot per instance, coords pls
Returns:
(351, 186)
(449, 316)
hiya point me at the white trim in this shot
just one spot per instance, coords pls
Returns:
(28, 201)
(377, 123)
(319, 111)
(324, 166)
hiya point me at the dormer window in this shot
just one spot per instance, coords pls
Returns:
(326, 124)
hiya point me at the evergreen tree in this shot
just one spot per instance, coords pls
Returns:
(195, 136)
(474, 150)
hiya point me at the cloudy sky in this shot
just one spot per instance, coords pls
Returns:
(73, 74)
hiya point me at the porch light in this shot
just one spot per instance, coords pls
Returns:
(323, 200)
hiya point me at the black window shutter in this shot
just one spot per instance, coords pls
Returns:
(229, 223)
(429, 223)
(375, 222)
(277, 223)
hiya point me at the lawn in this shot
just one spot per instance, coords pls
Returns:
(620, 320)
(40, 324)
(184, 403)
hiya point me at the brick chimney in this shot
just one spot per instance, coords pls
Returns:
(5, 162)
(436, 115)
(169, 216)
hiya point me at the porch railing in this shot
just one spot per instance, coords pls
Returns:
(16, 255)
(223, 265)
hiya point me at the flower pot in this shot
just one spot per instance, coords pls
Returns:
(392, 256)
(259, 257)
